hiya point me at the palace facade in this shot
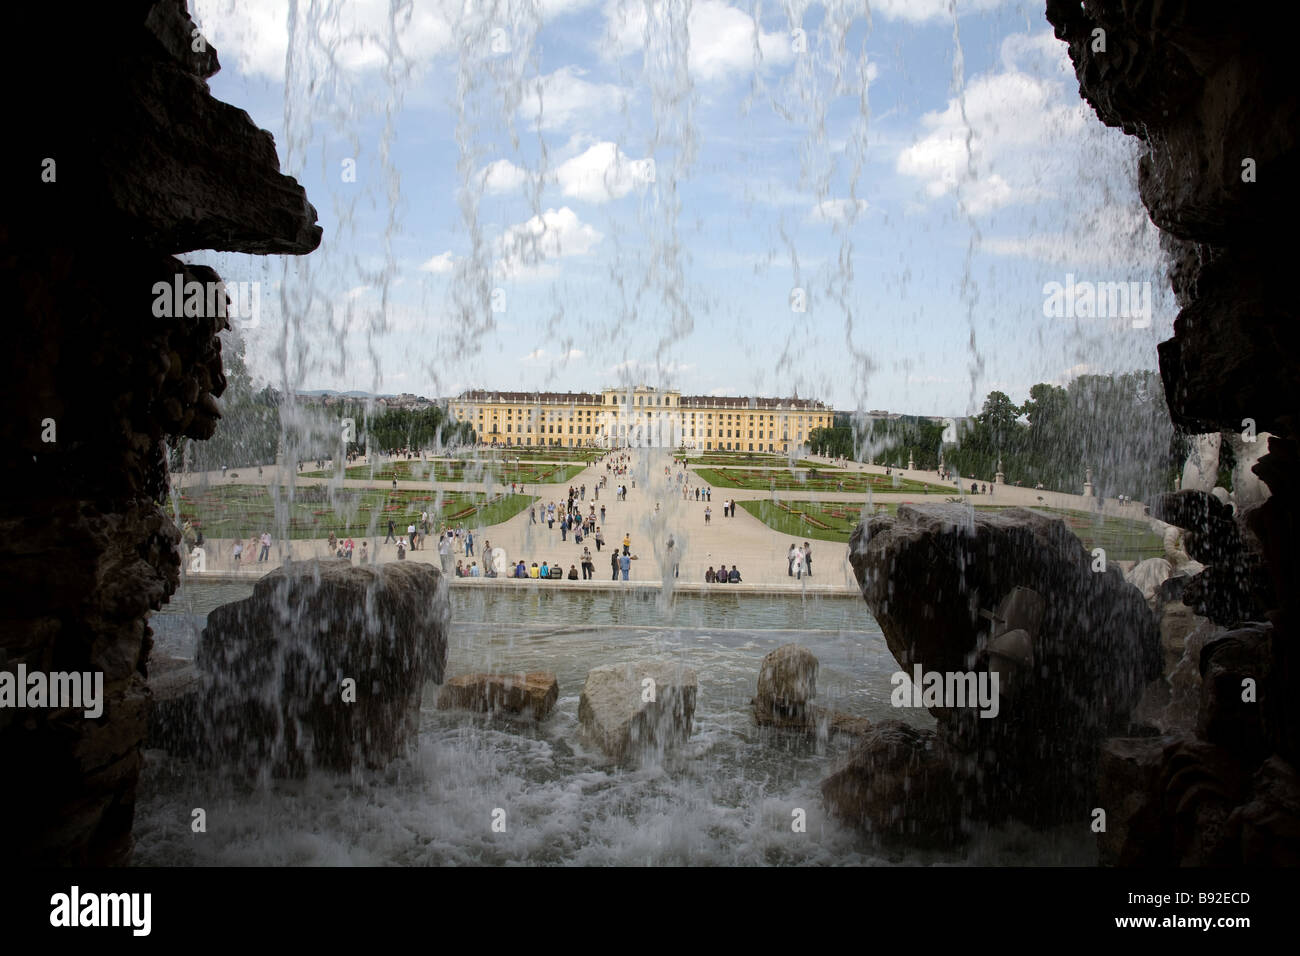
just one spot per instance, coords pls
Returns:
(641, 416)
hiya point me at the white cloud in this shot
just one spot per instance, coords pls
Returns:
(555, 234)
(920, 11)
(541, 356)
(724, 40)
(501, 176)
(441, 264)
(835, 211)
(255, 35)
(1015, 122)
(602, 173)
(1106, 238)
(563, 98)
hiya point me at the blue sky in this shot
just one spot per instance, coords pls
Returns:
(569, 194)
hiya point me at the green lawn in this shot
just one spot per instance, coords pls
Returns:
(764, 479)
(244, 510)
(535, 453)
(455, 470)
(747, 460)
(1124, 539)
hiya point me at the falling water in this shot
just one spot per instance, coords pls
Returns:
(349, 71)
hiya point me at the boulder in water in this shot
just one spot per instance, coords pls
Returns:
(1011, 594)
(325, 664)
(899, 781)
(628, 709)
(175, 722)
(534, 693)
(787, 683)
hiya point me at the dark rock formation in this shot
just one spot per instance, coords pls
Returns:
(1233, 586)
(1208, 91)
(113, 163)
(899, 782)
(1072, 659)
(276, 665)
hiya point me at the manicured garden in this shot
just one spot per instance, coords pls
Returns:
(457, 470)
(1123, 539)
(241, 511)
(535, 453)
(819, 479)
(742, 459)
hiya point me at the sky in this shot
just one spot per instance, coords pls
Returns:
(859, 203)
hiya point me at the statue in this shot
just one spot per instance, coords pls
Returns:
(1202, 464)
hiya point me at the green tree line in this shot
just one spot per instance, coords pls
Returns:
(1116, 425)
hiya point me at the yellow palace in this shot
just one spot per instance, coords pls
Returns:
(640, 416)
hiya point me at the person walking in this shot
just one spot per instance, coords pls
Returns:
(469, 543)
(627, 542)
(602, 514)
(625, 565)
(390, 532)
(613, 563)
(588, 566)
(444, 552)
(789, 561)
(600, 537)
(708, 513)
(266, 547)
(798, 563)
(807, 558)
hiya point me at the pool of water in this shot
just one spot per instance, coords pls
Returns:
(542, 604)
(727, 797)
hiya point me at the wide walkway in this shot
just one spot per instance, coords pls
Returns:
(653, 512)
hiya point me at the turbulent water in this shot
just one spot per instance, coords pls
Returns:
(727, 797)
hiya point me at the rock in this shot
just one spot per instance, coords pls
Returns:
(1184, 703)
(898, 782)
(1230, 714)
(137, 159)
(934, 575)
(1129, 790)
(630, 709)
(1176, 622)
(278, 663)
(1189, 80)
(1268, 827)
(534, 693)
(787, 683)
(176, 721)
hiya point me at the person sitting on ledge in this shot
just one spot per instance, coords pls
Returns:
(532, 570)
(709, 576)
(734, 576)
(721, 576)
(546, 571)
(460, 569)
(573, 572)
(520, 570)
(473, 569)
